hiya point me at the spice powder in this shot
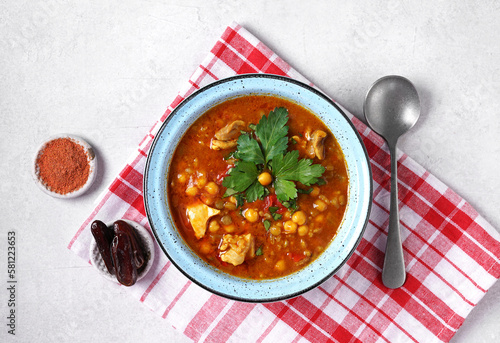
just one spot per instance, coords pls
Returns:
(63, 165)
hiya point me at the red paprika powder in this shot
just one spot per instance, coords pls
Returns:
(63, 165)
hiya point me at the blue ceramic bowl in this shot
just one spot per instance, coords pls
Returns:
(158, 208)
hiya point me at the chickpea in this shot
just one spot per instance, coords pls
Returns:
(182, 177)
(303, 230)
(287, 215)
(280, 265)
(342, 200)
(201, 181)
(191, 191)
(299, 217)
(207, 201)
(290, 226)
(230, 228)
(323, 197)
(315, 191)
(319, 218)
(265, 179)
(205, 247)
(212, 188)
(335, 202)
(275, 230)
(320, 205)
(251, 215)
(230, 206)
(213, 226)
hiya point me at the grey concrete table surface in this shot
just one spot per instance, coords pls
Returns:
(107, 71)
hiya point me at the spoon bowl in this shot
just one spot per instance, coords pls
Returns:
(391, 108)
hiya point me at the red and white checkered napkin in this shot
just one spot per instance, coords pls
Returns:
(452, 254)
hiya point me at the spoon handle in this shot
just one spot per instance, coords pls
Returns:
(393, 272)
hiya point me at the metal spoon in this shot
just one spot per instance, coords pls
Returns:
(391, 108)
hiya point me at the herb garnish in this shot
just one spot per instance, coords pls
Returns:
(267, 224)
(264, 148)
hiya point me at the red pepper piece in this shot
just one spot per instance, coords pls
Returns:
(296, 257)
(103, 236)
(272, 201)
(121, 226)
(123, 258)
(221, 176)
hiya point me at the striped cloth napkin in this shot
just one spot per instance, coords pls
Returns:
(452, 254)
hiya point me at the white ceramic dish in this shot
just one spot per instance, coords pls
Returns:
(92, 162)
(146, 240)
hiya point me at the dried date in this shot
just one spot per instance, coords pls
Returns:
(139, 257)
(103, 236)
(123, 259)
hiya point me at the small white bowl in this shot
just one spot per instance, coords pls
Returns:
(147, 243)
(92, 162)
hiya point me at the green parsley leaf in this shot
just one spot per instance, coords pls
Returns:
(288, 168)
(276, 216)
(229, 156)
(272, 131)
(267, 224)
(308, 173)
(254, 192)
(241, 176)
(240, 200)
(273, 209)
(263, 148)
(259, 251)
(249, 150)
(291, 204)
(230, 192)
(285, 190)
(321, 182)
(304, 191)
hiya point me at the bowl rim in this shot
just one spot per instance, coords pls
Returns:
(307, 87)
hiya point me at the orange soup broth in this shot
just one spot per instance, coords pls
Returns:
(195, 164)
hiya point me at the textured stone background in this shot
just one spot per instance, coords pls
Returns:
(107, 70)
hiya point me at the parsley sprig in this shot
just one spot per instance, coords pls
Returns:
(265, 148)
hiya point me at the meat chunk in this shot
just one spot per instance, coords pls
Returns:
(318, 143)
(235, 248)
(198, 215)
(230, 131)
(222, 145)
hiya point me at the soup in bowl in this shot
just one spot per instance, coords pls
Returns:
(257, 188)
